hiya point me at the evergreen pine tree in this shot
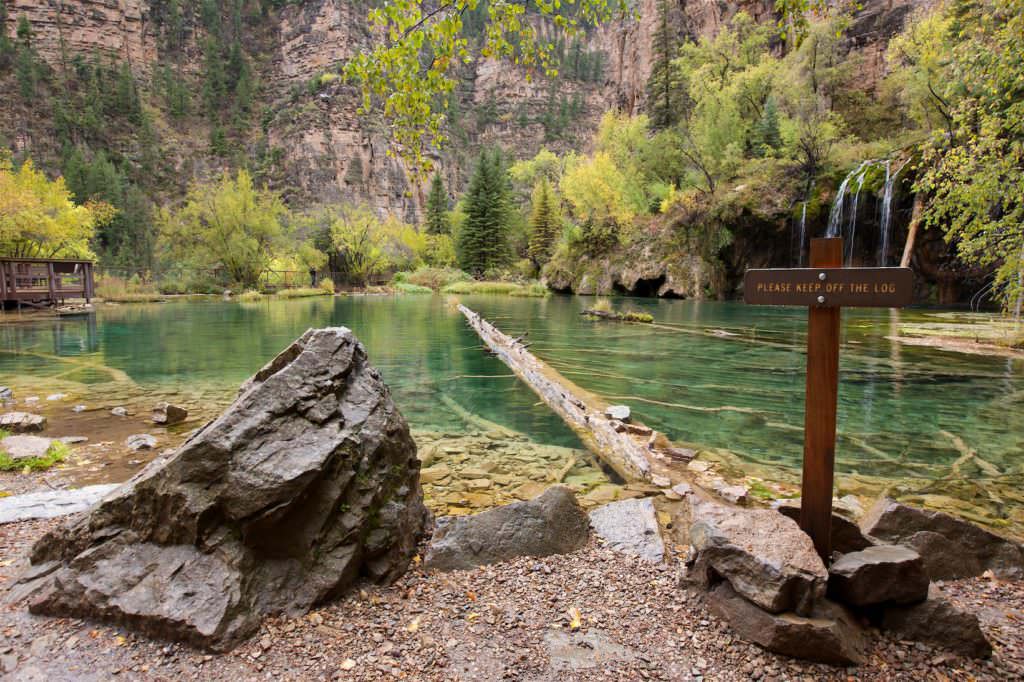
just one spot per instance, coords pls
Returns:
(596, 67)
(437, 207)
(483, 240)
(663, 106)
(6, 44)
(26, 59)
(543, 225)
(765, 136)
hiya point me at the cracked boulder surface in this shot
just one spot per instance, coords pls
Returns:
(307, 481)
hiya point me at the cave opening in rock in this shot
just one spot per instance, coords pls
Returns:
(642, 287)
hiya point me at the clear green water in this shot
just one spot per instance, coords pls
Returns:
(722, 375)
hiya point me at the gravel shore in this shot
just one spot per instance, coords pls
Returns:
(512, 621)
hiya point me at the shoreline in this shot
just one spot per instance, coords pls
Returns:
(511, 618)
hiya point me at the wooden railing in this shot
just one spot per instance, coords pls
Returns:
(37, 280)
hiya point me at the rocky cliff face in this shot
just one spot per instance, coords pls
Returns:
(120, 28)
(321, 150)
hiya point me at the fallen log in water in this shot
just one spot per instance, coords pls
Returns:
(634, 451)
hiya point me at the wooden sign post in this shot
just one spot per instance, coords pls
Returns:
(824, 288)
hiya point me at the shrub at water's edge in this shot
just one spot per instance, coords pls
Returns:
(431, 278)
(534, 289)
(250, 296)
(303, 292)
(56, 453)
(126, 290)
(531, 290)
(409, 288)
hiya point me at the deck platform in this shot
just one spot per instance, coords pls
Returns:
(41, 282)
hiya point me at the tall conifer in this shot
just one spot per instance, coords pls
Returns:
(660, 86)
(483, 240)
(543, 225)
(437, 207)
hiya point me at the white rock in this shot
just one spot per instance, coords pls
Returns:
(630, 527)
(25, 447)
(140, 441)
(51, 503)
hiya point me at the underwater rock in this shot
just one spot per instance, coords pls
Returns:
(119, 412)
(553, 523)
(22, 422)
(950, 547)
(307, 481)
(168, 414)
(140, 441)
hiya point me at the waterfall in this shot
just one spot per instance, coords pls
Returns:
(835, 215)
(851, 227)
(886, 218)
(883, 250)
(803, 236)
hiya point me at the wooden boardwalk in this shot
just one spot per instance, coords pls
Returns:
(44, 281)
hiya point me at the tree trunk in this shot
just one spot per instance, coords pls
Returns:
(915, 222)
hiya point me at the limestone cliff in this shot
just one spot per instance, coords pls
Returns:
(314, 144)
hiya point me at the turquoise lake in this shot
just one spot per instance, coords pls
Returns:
(720, 375)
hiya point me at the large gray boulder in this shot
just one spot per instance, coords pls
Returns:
(829, 634)
(552, 523)
(306, 482)
(22, 422)
(765, 556)
(877, 575)
(950, 547)
(939, 623)
(630, 527)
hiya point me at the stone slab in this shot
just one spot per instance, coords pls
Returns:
(51, 503)
(630, 527)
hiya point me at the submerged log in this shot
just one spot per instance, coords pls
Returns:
(626, 450)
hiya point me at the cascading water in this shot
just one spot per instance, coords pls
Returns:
(835, 215)
(851, 227)
(852, 185)
(803, 236)
(886, 218)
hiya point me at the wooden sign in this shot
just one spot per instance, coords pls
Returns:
(824, 288)
(860, 287)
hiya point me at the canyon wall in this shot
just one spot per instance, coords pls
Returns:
(323, 150)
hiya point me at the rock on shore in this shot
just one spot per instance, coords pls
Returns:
(765, 556)
(553, 523)
(950, 547)
(308, 480)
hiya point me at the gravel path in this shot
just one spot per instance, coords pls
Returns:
(506, 622)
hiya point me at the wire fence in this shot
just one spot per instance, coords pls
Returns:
(215, 280)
